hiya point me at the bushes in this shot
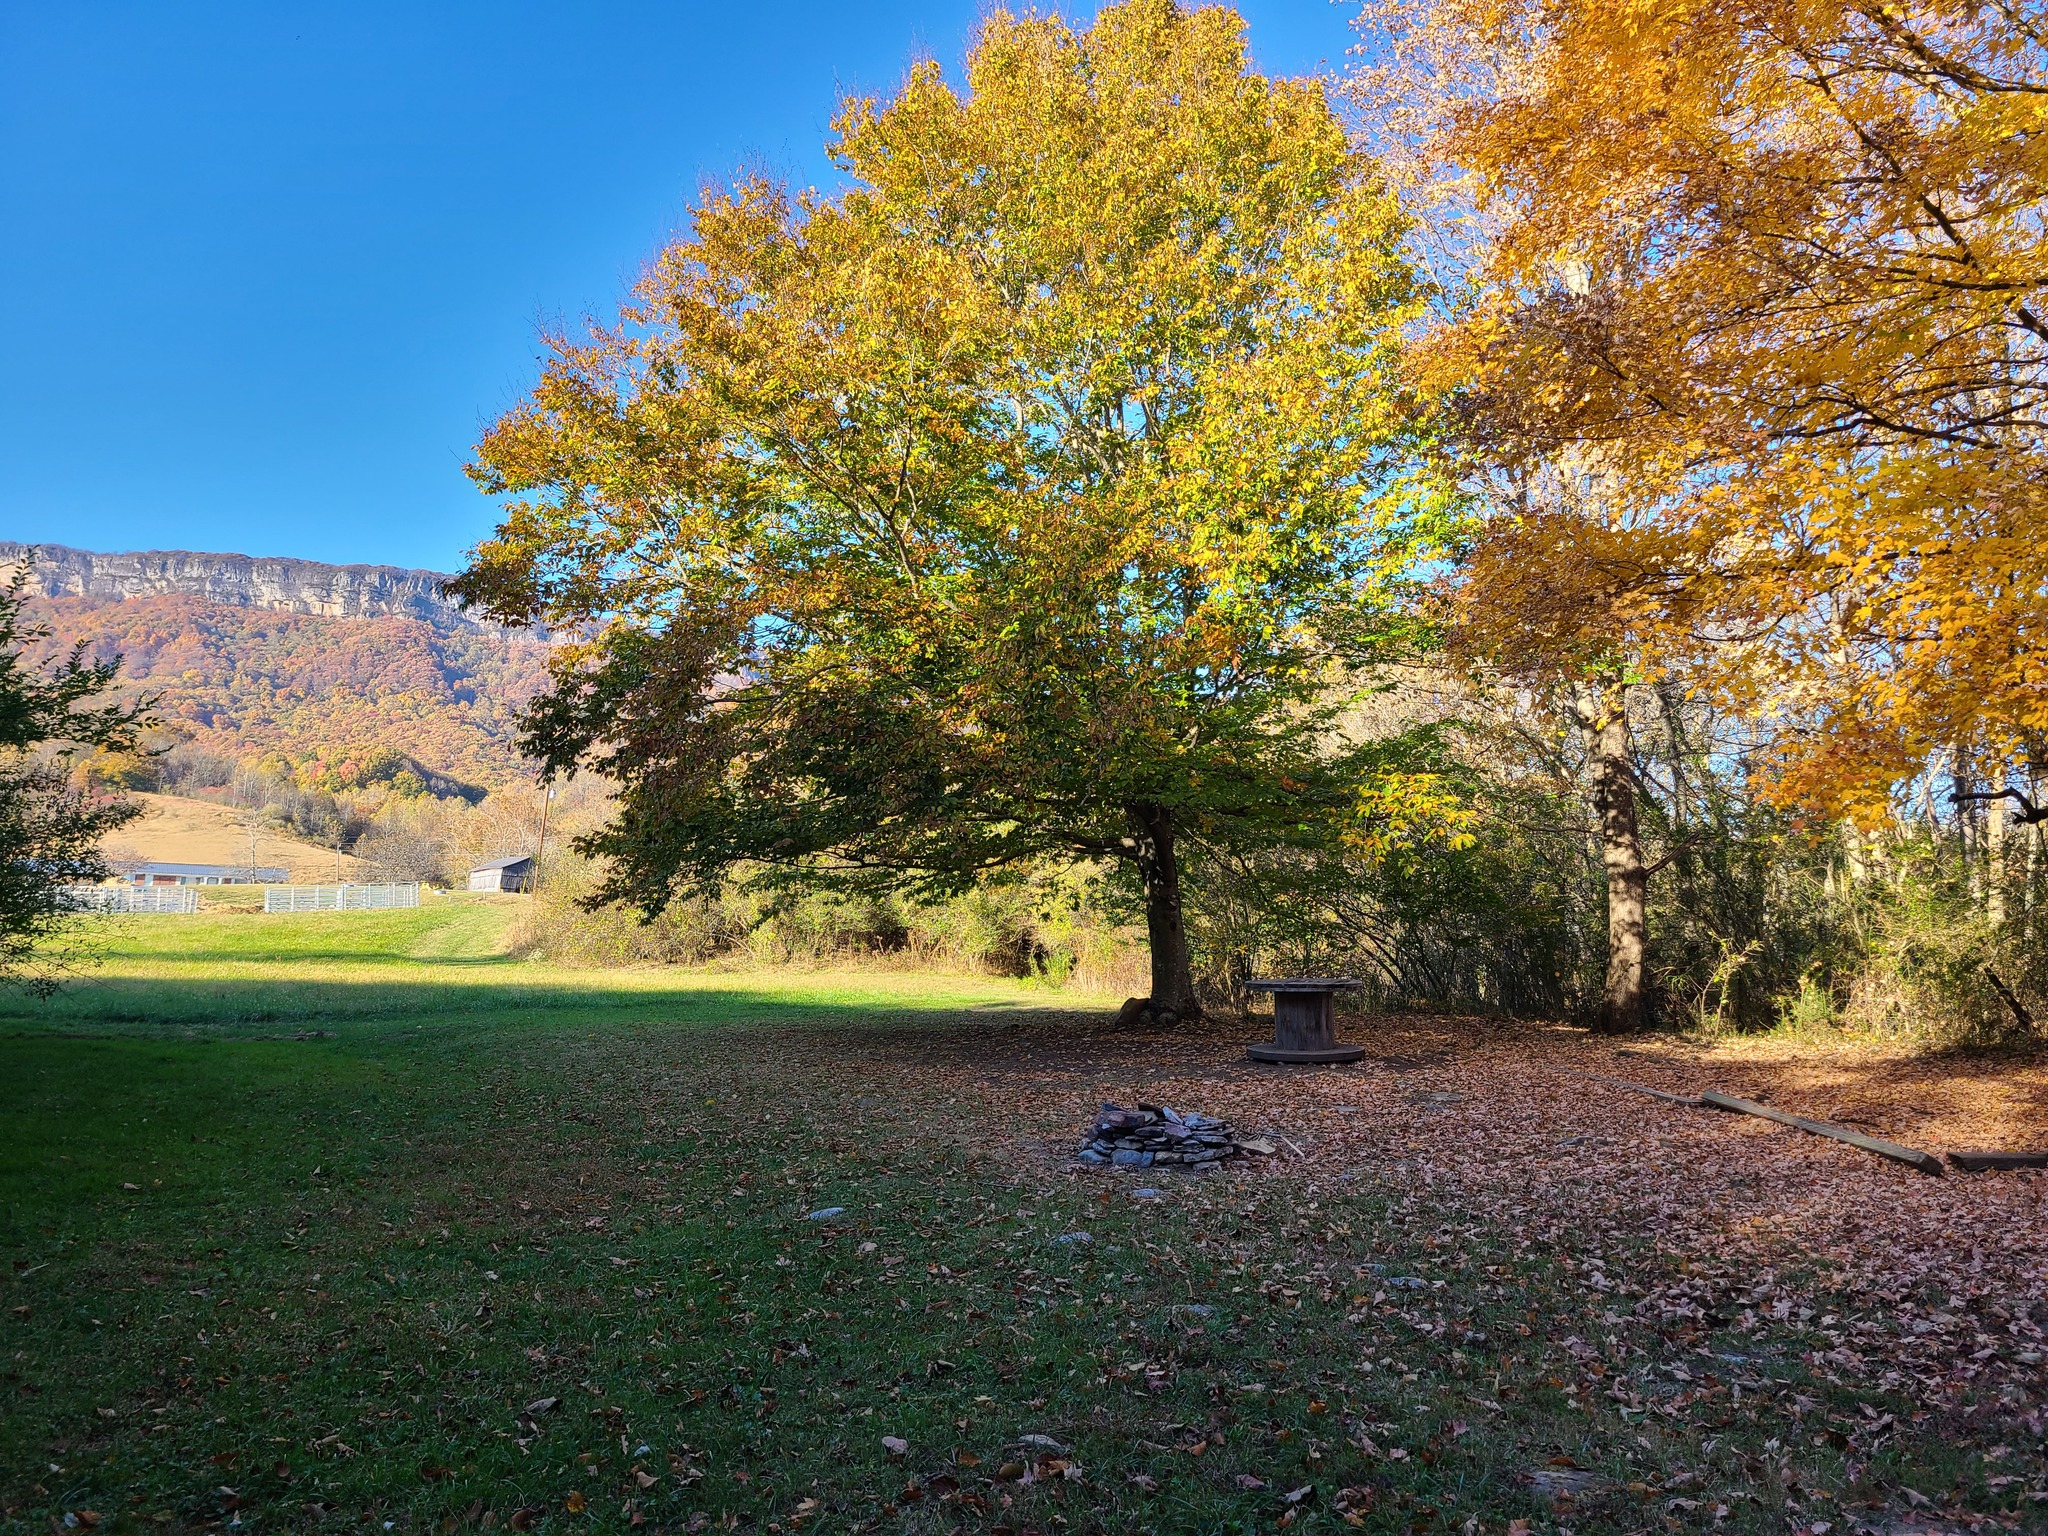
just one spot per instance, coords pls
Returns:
(1756, 921)
(1044, 928)
(560, 930)
(1928, 953)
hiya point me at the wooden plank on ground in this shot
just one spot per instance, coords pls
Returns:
(1978, 1162)
(1690, 1101)
(1912, 1157)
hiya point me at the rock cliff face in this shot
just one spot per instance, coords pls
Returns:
(290, 586)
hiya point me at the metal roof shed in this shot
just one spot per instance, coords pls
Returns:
(513, 874)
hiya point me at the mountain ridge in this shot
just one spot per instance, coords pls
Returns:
(280, 583)
(312, 671)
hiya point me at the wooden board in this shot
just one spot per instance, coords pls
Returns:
(1689, 1100)
(1978, 1162)
(1912, 1157)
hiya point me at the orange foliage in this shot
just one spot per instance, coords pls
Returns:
(1750, 310)
(322, 694)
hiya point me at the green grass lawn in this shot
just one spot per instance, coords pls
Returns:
(244, 974)
(350, 1219)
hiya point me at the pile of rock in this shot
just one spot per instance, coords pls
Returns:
(1152, 1133)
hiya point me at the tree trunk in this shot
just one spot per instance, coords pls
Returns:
(1994, 852)
(1854, 844)
(1601, 709)
(2037, 834)
(1173, 983)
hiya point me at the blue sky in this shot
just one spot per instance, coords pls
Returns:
(267, 269)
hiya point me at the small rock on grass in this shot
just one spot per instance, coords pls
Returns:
(826, 1213)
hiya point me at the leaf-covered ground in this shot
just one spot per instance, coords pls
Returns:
(536, 1251)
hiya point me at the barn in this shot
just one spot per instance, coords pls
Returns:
(514, 874)
(204, 874)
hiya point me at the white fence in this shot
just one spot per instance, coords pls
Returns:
(130, 898)
(338, 898)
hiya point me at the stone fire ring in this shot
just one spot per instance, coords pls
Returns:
(1304, 1021)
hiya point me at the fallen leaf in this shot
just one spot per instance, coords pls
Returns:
(574, 1503)
(895, 1445)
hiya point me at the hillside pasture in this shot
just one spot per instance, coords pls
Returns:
(176, 830)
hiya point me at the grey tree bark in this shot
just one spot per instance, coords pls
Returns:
(1158, 860)
(1600, 709)
(1994, 851)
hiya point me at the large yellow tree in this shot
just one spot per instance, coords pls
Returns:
(1760, 284)
(1744, 301)
(1021, 500)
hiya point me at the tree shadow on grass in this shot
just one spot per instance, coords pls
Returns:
(507, 995)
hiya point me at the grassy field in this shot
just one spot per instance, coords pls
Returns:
(349, 1219)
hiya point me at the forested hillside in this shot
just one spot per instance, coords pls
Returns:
(314, 695)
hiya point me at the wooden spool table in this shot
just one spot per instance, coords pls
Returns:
(1305, 1020)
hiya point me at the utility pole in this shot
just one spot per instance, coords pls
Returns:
(547, 795)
